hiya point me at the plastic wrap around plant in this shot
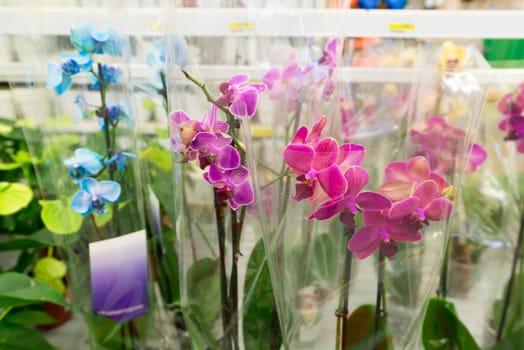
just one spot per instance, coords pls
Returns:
(89, 179)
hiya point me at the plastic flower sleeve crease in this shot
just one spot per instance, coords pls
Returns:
(90, 178)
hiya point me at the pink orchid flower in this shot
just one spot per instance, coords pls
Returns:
(285, 84)
(382, 232)
(232, 184)
(403, 177)
(188, 128)
(240, 96)
(514, 126)
(443, 144)
(348, 204)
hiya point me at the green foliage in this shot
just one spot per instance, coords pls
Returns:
(261, 324)
(13, 197)
(443, 330)
(513, 341)
(515, 312)
(18, 337)
(51, 271)
(360, 328)
(17, 289)
(59, 218)
(203, 279)
(29, 318)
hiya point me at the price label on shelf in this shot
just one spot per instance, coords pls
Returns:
(241, 26)
(401, 27)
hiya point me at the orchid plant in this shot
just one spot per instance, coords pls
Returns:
(509, 322)
(102, 180)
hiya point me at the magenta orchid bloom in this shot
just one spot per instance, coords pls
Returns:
(240, 96)
(426, 203)
(514, 126)
(233, 185)
(188, 128)
(443, 145)
(382, 232)
(320, 163)
(347, 205)
(208, 148)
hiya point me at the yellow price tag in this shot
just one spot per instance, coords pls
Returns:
(239, 26)
(401, 27)
(156, 26)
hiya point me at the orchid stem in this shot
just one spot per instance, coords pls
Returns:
(443, 283)
(163, 92)
(380, 308)
(342, 312)
(109, 136)
(226, 318)
(517, 254)
(233, 283)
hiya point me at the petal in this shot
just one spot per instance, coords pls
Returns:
(316, 130)
(88, 184)
(426, 192)
(238, 79)
(332, 181)
(298, 157)
(245, 104)
(259, 87)
(350, 154)
(326, 154)
(89, 160)
(109, 190)
(396, 171)
(375, 218)
(81, 202)
(215, 175)
(356, 178)
(404, 207)
(178, 117)
(406, 236)
(271, 77)
(203, 139)
(222, 140)
(440, 181)
(243, 194)
(328, 209)
(438, 209)
(396, 190)
(364, 242)
(418, 169)
(302, 191)
(64, 85)
(54, 73)
(228, 158)
(300, 135)
(372, 201)
(238, 175)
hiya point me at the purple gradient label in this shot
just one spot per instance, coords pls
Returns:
(119, 276)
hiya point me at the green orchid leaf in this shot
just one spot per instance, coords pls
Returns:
(158, 157)
(59, 218)
(261, 325)
(324, 264)
(443, 330)
(515, 309)
(13, 197)
(360, 330)
(17, 289)
(39, 239)
(5, 129)
(29, 318)
(510, 342)
(17, 337)
(203, 279)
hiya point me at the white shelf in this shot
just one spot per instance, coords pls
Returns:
(20, 72)
(270, 22)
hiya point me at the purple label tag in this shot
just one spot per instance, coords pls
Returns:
(119, 276)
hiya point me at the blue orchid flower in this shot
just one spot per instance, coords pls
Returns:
(94, 195)
(120, 159)
(111, 74)
(89, 41)
(59, 75)
(84, 163)
(117, 113)
(82, 106)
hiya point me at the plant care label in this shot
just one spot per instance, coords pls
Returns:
(119, 276)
